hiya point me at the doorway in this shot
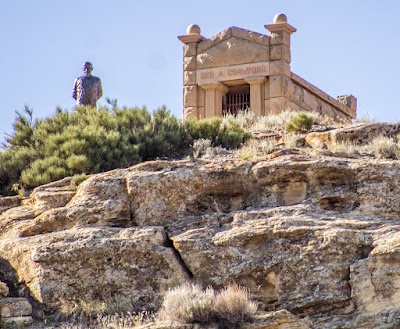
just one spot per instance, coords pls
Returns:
(236, 99)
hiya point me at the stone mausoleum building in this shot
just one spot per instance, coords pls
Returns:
(239, 69)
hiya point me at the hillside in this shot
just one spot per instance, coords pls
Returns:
(312, 230)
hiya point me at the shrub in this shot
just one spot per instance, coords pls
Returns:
(384, 147)
(200, 147)
(78, 179)
(87, 141)
(226, 133)
(161, 136)
(293, 140)
(246, 119)
(232, 135)
(233, 305)
(255, 147)
(300, 122)
(272, 122)
(188, 304)
(43, 171)
(203, 129)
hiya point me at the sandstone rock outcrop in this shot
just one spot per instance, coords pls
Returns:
(357, 134)
(3, 290)
(317, 236)
(14, 312)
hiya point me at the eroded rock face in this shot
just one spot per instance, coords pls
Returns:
(131, 267)
(159, 197)
(4, 290)
(9, 202)
(317, 236)
(358, 134)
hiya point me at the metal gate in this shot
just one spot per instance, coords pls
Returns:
(233, 103)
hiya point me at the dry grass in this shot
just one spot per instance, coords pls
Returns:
(187, 304)
(292, 140)
(116, 321)
(381, 147)
(343, 147)
(272, 122)
(255, 148)
(126, 321)
(384, 147)
(246, 119)
(278, 122)
(365, 119)
(190, 304)
(233, 305)
(200, 147)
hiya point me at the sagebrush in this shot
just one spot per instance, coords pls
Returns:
(189, 303)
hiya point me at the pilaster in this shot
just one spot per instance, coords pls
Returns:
(190, 89)
(213, 102)
(280, 45)
(280, 56)
(257, 104)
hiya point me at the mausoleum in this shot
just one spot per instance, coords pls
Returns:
(238, 69)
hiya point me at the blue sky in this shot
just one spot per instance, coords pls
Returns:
(341, 46)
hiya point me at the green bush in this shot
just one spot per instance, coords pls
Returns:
(226, 133)
(232, 135)
(44, 171)
(203, 129)
(78, 179)
(161, 136)
(87, 141)
(300, 122)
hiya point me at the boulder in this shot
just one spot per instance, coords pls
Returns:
(128, 268)
(14, 307)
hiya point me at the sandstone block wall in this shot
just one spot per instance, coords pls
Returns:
(239, 57)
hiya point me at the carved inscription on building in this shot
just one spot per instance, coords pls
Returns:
(233, 72)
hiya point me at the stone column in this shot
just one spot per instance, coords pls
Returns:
(190, 89)
(257, 94)
(214, 93)
(280, 59)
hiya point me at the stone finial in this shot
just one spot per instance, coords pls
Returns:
(192, 34)
(193, 29)
(280, 24)
(280, 18)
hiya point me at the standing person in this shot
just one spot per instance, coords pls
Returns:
(87, 88)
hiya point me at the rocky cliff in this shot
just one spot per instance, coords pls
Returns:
(316, 239)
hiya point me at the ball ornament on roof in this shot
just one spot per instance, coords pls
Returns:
(280, 18)
(193, 29)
